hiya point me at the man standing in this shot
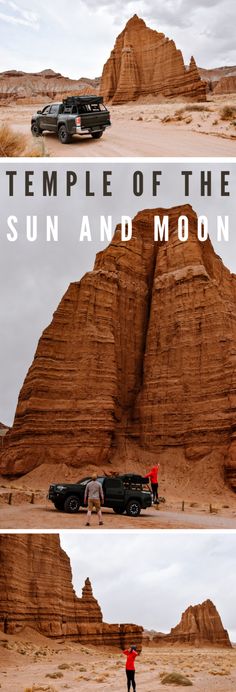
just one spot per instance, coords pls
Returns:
(130, 666)
(153, 475)
(94, 498)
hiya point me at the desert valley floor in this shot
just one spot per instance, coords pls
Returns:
(143, 129)
(37, 664)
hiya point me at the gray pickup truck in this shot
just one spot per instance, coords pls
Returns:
(75, 115)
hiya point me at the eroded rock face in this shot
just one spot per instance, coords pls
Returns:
(36, 591)
(226, 85)
(138, 360)
(46, 85)
(145, 62)
(200, 625)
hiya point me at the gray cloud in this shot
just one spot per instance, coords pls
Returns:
(150, 579)
(205, 29)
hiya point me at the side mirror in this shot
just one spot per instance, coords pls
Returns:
(39, 112)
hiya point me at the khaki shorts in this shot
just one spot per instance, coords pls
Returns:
(94, 503)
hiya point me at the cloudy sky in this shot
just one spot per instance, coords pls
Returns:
(35, 275)
(75, 37)
(151, 578)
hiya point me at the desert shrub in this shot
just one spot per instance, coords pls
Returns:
(176, 679)
(228, 112)
(15, 144)
(11, 143)
(197, 107)
(57, 674)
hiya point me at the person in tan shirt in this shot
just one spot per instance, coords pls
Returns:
(94, 497)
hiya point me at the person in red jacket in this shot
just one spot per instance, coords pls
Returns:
(153, 475)
(130, 667)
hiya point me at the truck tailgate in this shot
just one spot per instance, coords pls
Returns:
(95, 120)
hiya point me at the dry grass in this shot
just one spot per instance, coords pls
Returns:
(57, 674)
(197, 107)
(228, 112)
(15, 144)
(176, 679)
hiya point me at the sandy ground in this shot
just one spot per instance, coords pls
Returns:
(150, 129)
(31, 662)
(166, 516)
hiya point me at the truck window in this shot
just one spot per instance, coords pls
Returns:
(54, 109)
(46, 110)
(111, 483)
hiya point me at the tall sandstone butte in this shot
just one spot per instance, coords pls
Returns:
(138, 363)
(36, 591)
(144, 62)
(200, 625)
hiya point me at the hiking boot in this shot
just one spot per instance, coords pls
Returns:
(88, 524)
(101, 523)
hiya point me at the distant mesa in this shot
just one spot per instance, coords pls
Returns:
(46, 84)
(137, 364)
(200, 625)
(144, 62)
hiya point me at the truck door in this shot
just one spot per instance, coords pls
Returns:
(52, 117)
(113, 491)
(44, 118)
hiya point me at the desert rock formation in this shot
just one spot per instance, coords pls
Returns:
(138, 360)
(15, 85)
(145, 62)
(226, 85)
(36, 591)
(200, 625)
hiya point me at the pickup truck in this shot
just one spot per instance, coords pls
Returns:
(124, 493)
(75, 115)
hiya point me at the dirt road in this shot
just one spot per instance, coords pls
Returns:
(28, 516)
(147, 139)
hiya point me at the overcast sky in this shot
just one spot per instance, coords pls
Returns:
(151, 578)
(75, 37)
(35, 275)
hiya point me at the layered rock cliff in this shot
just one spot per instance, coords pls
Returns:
(36, 591)
(200, 625)
(145, 62)
(226, 85)
(48, 84)
(139, 362)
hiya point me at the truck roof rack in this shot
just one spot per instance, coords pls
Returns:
(75, 100)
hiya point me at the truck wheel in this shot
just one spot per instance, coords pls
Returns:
(72, 504)
(59, 505)
(97, 135)
(35, 129)
(64, 136)
(133, 508)
(119, 510)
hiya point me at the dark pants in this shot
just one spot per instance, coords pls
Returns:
(155, 491)
(130, 678)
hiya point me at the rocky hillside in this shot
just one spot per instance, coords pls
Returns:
(49, 85)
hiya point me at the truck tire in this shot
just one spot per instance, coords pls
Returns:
(97, 135)
(72, 504)
(35, 129)
(59, 505)
(133, 508)
(119, 510)
(63, 135)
